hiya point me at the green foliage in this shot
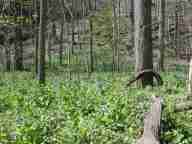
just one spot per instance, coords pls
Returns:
(100, 110)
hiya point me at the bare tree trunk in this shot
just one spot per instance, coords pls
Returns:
(95, 6)
(61, 43)
(73, 27)
(162, 34)
(138, 13)
(118, 36)
(147, 44)
(8, 58)
(91, 46)
(176, 29)
(143, 39)
(115, 36)
(42, 30)
(53, 32)
(36, 31)
(69, 58)
(49, 46)
(36, 49)
(18, 49)
(132, 21)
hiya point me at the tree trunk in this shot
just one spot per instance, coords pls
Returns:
(162, 34)
(8, 58)
(147, 44)
(49, 46)
(18, 49)
(176, 36)
(115, 36)
(61, 43)
(36, 48)
(151, 134)
(132, 21)
(138, 11)
(91, 46)
(73, 27)
(143, 39)
(36, 31)
(42, 30)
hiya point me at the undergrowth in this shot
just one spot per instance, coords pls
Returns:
(99, 110)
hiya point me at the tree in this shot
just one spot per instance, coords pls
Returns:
(18, 48)
(61, 42)
(49, 46)
(132, 20)
(36, 34)
(162, 33)
(91, 69)
(143, 39)
(147, 43)
(8, 57)
(138, 10)
(115, 37)
(5, 42)
(42, 30)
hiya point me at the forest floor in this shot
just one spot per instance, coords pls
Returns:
(98, 110)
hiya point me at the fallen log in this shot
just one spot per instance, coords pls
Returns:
(151, 134)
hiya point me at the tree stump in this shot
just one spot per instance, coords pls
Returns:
(151, 134)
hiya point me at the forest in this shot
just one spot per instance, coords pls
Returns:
(95, 72)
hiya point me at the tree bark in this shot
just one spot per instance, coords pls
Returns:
(138, 11)
(36, 49)
(18, 49)
(49, 46)
(132, 21)
(42, 30)
(36, 31)
(162, 34)
(91, 46)
(61, 43)
(8, 58)
(151, 134)
(115, 36)
(73, 27)
(143, 39)
(147, 43)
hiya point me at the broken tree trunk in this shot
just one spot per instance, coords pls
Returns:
(151, 134)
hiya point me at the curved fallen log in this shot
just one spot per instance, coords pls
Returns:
(151, 134)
